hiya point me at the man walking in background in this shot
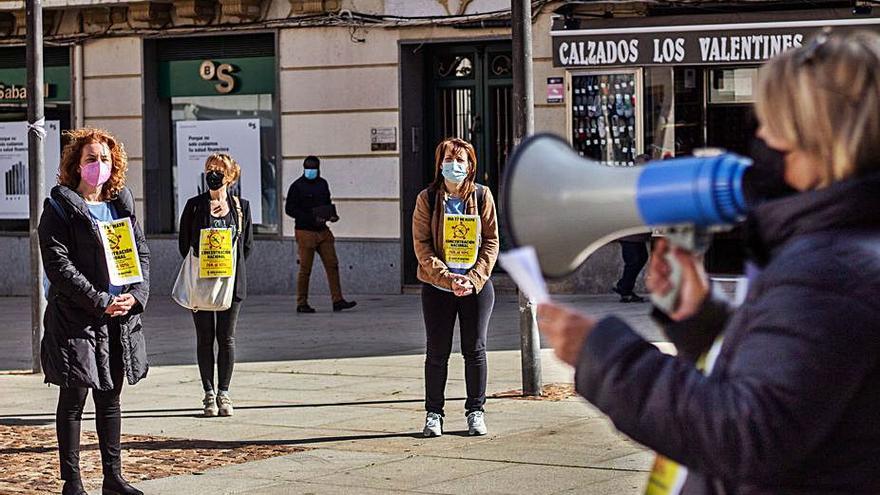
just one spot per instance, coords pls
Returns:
(308, 202)
(634, 251)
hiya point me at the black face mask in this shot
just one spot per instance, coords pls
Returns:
(765, 179)
(214, 179)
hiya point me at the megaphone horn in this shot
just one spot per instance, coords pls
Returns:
(567, 206)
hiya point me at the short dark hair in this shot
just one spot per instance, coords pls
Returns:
(311, 161)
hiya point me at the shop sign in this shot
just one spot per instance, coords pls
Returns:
(679, 45)
(209, 71)
(13, 85)
(213, 77)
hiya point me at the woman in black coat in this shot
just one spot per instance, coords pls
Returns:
(93, 337)
(218, 208)
(779, 395)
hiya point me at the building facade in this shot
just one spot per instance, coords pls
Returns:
(371, 86)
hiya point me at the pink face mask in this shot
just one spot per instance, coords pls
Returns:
(96, 173)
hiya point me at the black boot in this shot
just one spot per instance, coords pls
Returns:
(115, 484)
(73, 487)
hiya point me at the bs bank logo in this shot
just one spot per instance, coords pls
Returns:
(209, 71)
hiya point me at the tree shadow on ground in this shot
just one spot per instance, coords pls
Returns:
(17, 419)
(185, 444)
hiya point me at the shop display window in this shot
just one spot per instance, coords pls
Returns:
(606, 116)
(230, 107)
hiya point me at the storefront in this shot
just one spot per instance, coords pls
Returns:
(665, 86)
(13, 136)
(213, 95)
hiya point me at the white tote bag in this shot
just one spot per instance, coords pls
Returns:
(203, 294)
(206, 294)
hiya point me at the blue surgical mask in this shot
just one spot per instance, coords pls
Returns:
(311, 173)
(455, 171)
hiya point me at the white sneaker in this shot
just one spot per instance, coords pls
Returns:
(476, 423)
(210, 403)
(433, 425)
(224, 404)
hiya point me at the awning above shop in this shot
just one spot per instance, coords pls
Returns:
(694, 40)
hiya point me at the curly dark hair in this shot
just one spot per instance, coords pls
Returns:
(68, 170)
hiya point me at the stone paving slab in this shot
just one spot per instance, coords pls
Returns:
(353, 396)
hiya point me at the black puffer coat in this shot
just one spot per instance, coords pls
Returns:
(792, 404)
(75, 351)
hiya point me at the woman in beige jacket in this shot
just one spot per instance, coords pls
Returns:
(455, 237)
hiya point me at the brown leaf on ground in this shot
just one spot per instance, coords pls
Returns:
(29, 458)
(553, 392)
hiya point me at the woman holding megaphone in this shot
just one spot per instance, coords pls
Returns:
(455, 237)
(779, 395)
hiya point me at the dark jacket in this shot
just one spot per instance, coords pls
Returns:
(195, 217)
(303, 195)
(75, 349)
(793, 402)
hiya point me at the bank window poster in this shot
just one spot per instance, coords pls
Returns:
(196, 140)
(14, 198)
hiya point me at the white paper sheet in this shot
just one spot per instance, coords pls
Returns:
(523, 267)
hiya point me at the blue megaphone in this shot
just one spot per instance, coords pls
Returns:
(567, 207)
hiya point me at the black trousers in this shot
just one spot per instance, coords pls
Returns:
(108, 417)
(216, 326)
(440, 310)
(635, 255)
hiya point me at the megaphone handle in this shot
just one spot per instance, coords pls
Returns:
(694, 239)
(666, 303)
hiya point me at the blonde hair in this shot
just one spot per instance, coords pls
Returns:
(824, 98)
(222, 162)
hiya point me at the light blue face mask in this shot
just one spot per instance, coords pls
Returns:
(310, 173)
(455, 171)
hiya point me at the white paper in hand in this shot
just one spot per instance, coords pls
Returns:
(523, 267)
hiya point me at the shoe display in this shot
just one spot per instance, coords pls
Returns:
(609, 101)
(224, 404)
(115, 484)
(210, 403)
(476, 423)
(433, 425)
(343, 304)
(305, 308)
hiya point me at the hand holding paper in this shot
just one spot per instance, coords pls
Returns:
(523, 267)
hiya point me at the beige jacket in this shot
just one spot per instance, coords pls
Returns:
(428, 240)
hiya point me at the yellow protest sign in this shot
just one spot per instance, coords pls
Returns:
(461, 238)
(216, 259)
(667, 476)
(120, 251)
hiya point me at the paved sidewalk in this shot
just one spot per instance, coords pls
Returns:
(361, 418)
(349, 388)
(269, 329)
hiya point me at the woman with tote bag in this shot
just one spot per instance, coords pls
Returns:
(216, 236)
